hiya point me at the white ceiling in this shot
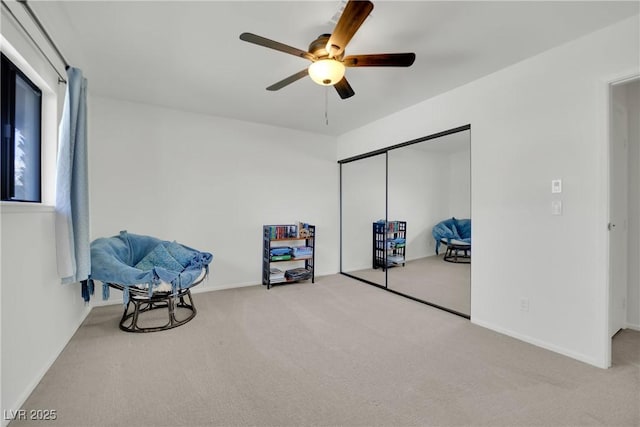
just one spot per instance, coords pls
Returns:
(187, 55)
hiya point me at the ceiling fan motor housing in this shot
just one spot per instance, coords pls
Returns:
(318, 47)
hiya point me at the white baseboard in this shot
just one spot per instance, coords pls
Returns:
(54, 356)
(539, 343)
(98, 302)
(223, 287)
(633, 326)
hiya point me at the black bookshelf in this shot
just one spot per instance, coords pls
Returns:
(283, 236)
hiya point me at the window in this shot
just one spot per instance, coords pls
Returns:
(21, 106)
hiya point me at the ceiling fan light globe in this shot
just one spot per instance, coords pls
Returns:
(326, 72)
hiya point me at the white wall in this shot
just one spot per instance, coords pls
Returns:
(537, 120)
(210, 183)
(38, 314)
(633, 289)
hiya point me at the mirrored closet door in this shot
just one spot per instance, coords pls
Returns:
(429, 183)
(363, 201)
(392, 199)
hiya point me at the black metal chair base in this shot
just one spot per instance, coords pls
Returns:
(140, 303)
(456, 253)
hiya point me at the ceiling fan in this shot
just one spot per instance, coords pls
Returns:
(326, 53)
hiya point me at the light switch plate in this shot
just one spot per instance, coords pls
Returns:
(556, 186)
(556, 207)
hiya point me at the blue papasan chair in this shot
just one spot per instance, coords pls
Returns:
(151, 273)
(456, 235)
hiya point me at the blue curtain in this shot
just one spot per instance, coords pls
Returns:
(72, 185)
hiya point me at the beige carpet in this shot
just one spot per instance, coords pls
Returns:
(334, 353)
(430, 279)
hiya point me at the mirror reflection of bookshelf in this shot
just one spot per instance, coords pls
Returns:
(389, 243)
(291, 245)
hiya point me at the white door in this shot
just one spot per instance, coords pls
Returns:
(618, 251)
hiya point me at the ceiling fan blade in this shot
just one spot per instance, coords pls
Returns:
(271, 44)
(354, 14)
(344, 89)
(380, 60)
(288, 80)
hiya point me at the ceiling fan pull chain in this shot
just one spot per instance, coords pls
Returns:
(326, 105)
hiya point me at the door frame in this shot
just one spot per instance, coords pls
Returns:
(612, 81)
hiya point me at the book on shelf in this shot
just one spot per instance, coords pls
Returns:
(297, 274)
(275, 274)
(299, 230)
(396, 259)
(389, 226)
(391, 244)
(302, 251)
(283, 232)
(280, 257)
(280, 250)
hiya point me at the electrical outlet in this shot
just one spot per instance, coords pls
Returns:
(524, 304)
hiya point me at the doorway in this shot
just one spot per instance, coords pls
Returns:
(624, 205)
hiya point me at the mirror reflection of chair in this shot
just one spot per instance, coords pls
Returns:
(456, 235)
(458, 252)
